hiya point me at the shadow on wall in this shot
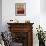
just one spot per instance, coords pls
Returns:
(0, 15)
(43, 6)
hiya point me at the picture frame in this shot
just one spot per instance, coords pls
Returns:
(20, 9)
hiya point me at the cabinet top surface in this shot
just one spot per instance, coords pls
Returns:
(19, 23)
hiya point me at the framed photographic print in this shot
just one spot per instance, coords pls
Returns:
(20, 9)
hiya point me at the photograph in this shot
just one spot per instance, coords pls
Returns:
(22, 23)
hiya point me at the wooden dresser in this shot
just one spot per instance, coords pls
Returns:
(22, 33)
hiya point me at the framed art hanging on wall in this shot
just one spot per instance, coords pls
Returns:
(20, 9)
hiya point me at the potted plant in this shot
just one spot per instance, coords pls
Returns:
(41, 36)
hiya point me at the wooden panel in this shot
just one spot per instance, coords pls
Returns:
(22, 27)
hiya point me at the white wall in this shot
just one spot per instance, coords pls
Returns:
(0, 15)
(43, 14)
(43, 6)
(33, 13)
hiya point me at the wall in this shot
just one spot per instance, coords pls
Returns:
(33, 13)
(0, 15)
(43, 6)
(43, 14)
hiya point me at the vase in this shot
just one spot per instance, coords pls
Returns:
(41, 43)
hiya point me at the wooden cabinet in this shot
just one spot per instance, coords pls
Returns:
(22, 33)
